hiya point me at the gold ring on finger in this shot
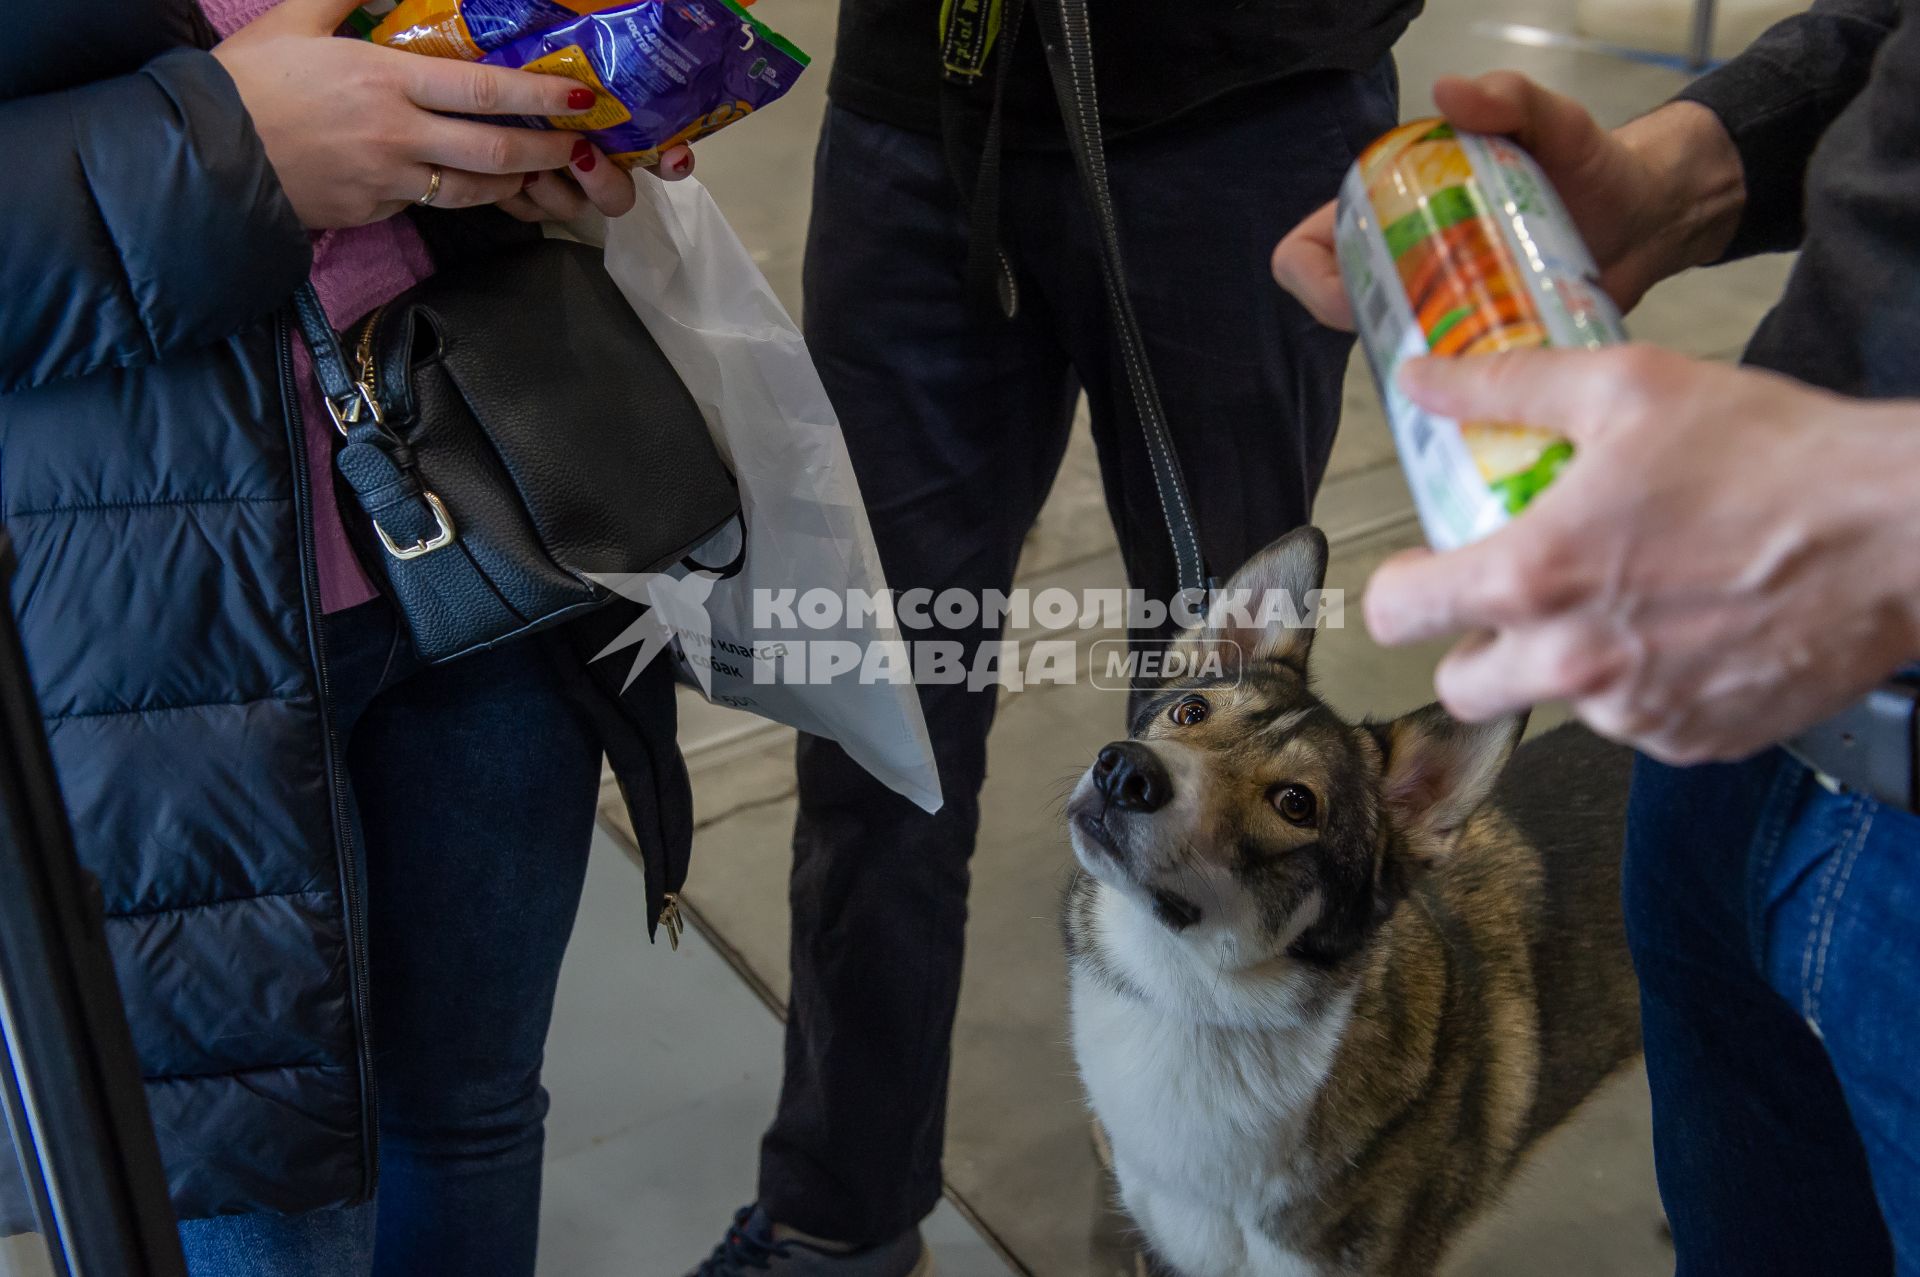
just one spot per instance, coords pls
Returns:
(433, 186)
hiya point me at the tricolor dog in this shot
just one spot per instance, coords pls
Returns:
(1330, 981)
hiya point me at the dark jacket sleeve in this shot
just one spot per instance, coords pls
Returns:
(142, 218)
(1779, 96)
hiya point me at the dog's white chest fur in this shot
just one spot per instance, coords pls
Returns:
(1203, 1084)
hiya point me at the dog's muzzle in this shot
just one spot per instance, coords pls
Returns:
(1128, 780)
(1130, 776)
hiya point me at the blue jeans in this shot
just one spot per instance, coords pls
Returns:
(956, 421)
(1776, 929)
(474, 787)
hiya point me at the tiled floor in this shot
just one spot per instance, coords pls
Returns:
(665, 1066)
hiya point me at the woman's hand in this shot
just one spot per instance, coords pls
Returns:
(1651, 198)
(598, 183)
(354, 130)
(1730, 557)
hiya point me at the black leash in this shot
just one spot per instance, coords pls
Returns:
(1068, 39)
(975, 156)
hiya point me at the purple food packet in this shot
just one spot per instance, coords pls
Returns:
(667, 71)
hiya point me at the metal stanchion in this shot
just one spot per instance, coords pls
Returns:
(1701, 48)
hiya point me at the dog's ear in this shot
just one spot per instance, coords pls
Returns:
(1269, 610)
(1438, 772)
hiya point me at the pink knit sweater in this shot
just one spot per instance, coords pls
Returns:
(353, 271)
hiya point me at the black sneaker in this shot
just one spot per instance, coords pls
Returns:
(749, 1247)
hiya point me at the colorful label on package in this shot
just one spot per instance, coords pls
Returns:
(667, 71)
(1455, 244)
(469, 29)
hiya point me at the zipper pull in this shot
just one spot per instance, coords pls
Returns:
(369, 369)
(670, 919)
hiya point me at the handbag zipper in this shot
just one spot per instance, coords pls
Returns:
(670, 919)
(369, 370)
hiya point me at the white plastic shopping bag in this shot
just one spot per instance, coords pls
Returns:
(695, 287)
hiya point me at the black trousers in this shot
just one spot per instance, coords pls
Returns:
(956, 419)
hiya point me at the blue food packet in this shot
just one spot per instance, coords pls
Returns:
(666, 71)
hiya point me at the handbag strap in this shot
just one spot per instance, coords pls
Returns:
(410, 521)
(337, 383)
(1069, 44)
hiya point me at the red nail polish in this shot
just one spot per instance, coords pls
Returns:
(529, 180)
(579, 99)
(583, 157)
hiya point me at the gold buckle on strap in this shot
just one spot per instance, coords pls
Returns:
(442, 537)
(349, 414)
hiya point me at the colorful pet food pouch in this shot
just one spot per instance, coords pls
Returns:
(1455, 244)
(471, 29)
(667, 71)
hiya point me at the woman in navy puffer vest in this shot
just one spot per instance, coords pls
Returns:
(322, 863)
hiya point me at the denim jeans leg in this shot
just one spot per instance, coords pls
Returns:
(473, 790)
(476, 783)
(1760, 1169)
(325, 1243)
(1841, 910)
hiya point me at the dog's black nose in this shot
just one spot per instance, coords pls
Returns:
(1131, 776)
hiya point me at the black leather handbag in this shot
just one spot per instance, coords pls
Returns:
(512, 432)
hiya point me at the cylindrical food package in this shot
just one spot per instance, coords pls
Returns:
(1456, 244)
(667, 71)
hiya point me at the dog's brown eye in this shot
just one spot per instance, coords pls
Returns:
(1190, 711)
(1296, 804)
